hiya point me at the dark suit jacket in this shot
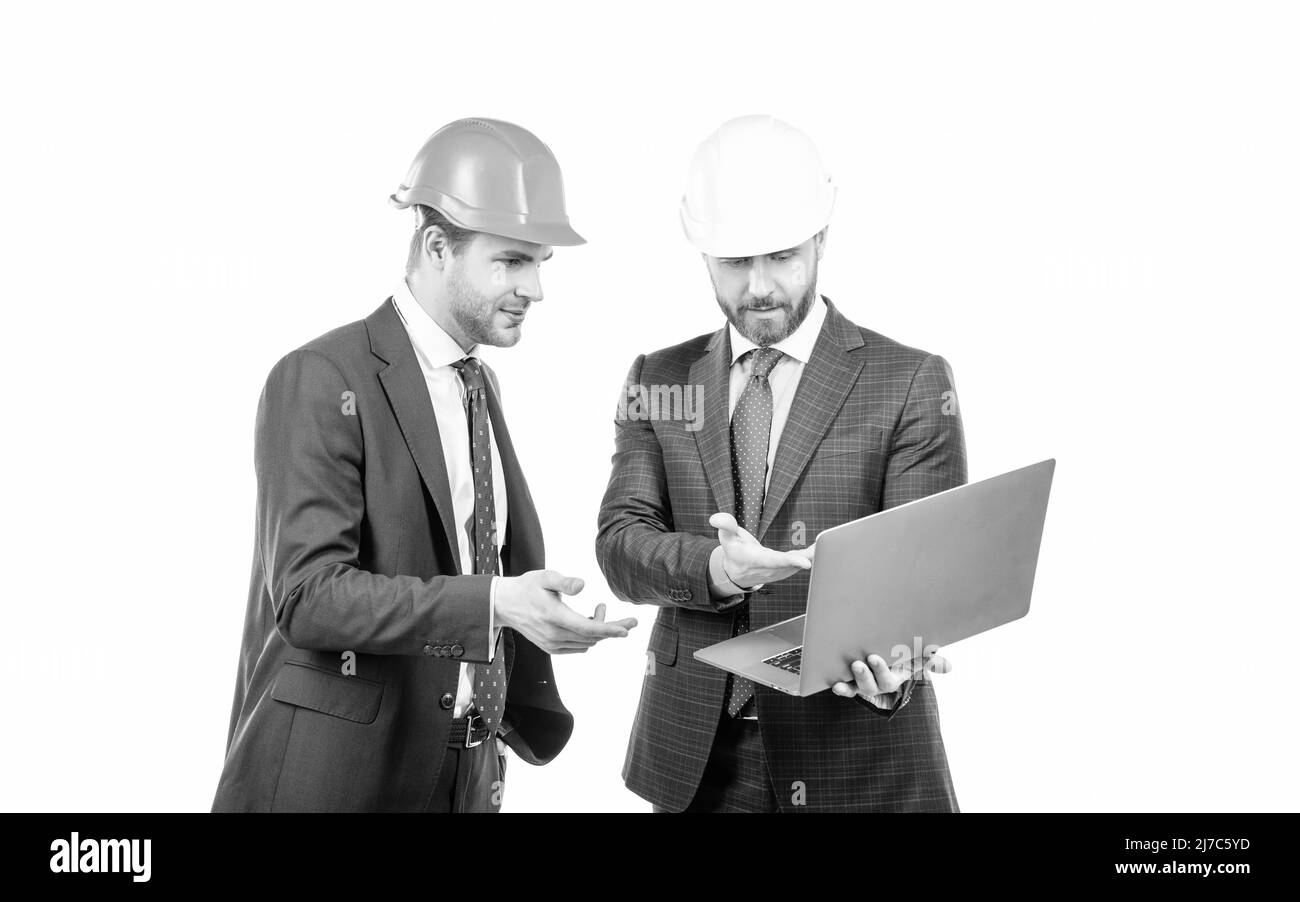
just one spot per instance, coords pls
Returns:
(357, 552)
(869, 428)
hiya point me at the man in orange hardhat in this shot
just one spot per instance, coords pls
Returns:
(401, 619)
(809, 421)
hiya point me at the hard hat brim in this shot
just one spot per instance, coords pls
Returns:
(756, 237)
(557, 234)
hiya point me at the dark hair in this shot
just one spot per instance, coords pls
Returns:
(425, 216)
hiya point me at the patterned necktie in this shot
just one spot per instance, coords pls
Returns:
(489, 679)
(751, 425)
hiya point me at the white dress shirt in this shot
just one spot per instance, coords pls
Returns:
(796, 349)
(436, 352)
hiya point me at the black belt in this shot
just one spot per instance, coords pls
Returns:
(468, 731)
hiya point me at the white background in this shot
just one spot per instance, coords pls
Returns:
(1090, 209)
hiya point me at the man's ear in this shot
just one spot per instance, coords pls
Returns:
(819, 241)
(434, 242)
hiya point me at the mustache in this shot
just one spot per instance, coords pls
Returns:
(769, 305)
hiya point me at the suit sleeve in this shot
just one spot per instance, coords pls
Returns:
(643, 558)
(311, 509)
(927, 455)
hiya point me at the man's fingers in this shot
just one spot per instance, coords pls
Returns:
(729, 529)
(558, 582)
(798, 559)
(760, 557)
(573, 643)
(577, 627)
(596, 631)
(599, 616)
(886, 677)
(877, 677)
(724, 522)
(866, 682)
(562, 643)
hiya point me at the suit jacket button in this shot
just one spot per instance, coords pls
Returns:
(457, 650)
(447, 701)
(686, 594)
(429, 650)
(444, 650)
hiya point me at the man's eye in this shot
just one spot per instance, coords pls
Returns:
(513, 263)
(737, 263)
(781, 258)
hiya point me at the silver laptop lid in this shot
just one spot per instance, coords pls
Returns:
(930, 572)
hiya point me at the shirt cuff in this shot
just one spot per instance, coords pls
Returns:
(720, 585)
(492, 619)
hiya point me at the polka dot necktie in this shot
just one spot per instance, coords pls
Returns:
(489, 679)
(751, 425)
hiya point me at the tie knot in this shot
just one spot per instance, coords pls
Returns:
(764, 360)
(471, 372)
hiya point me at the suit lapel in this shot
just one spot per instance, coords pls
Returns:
(408, 395)
(827, 378)
(713, 372)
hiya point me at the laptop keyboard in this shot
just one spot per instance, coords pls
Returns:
(787, 660)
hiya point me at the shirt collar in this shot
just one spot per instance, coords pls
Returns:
(799, 344)
(432, 343)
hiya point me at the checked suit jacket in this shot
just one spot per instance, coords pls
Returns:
(872, 425)
(357, 552)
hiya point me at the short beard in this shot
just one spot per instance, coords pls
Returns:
(471, 310)
(766, 333)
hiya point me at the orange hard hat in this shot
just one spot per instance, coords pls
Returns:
(491, 176)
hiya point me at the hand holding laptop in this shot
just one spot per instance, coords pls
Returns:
(880, 678)
(749, 564)
(879, 584)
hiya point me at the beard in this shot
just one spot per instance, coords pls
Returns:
(766, 332)
(473, 311)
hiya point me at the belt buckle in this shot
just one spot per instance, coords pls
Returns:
(469, 729)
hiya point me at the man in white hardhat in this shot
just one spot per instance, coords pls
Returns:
(400, 619)
(809, 421)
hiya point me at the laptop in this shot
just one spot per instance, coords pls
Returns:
(902, 581)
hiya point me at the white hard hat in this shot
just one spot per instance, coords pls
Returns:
(755, 185)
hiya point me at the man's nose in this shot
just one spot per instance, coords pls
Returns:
(529, 287)
(760, 282)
